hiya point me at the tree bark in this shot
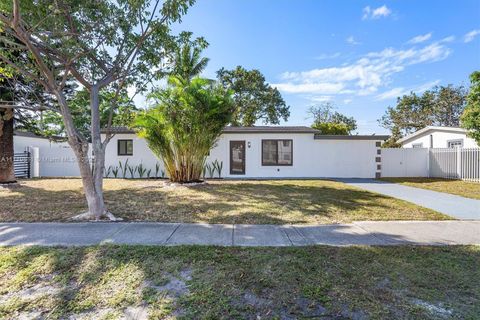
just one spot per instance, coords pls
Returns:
(7, 169)
(92, 177)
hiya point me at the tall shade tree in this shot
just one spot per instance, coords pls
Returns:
(18, 96)
(51, 123)
(328, 121)
(184, 124)
(7, 171)
(102, 45)
(471, 115)
(440, 106)
(254, 98)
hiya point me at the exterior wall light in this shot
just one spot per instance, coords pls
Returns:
(249, 144)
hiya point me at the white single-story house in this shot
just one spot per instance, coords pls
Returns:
(268, 152)
(438, 137)
(244, 152)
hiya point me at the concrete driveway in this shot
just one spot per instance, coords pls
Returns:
(449, 204)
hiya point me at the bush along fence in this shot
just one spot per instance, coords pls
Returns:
(124, 170)
(458, 163)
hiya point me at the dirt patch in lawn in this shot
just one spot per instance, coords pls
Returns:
(248, 202)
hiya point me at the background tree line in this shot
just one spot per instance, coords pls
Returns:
(439, 106)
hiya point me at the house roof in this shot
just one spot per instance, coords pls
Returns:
(351, 137)
(276, 129)
(270, 129)
(230, 129)
(118, 129)
(29, 135)
(429, 129)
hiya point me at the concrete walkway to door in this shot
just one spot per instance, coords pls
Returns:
(449, 204)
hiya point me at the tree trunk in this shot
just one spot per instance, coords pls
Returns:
(94, 197)
(7, 170)
(92, 178)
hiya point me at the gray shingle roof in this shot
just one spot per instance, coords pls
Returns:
(229, 129)
(118, 129)
(270, 129)
(277, 129)
(351, 137)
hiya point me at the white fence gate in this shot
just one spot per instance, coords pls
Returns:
(458, 163)
(404, 162)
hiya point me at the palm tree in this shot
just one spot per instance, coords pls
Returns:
(188, 61)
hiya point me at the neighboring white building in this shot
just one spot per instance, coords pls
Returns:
(268, 152)
(438, 137)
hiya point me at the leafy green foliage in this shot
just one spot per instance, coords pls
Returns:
(254, 98)
(471, 115)
(331, 128)
(392, 141)
(440, 106)
(187, 59)
(123, 113)
(184, 124)
(328, 121)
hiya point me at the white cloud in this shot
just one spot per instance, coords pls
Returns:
(365, 76)
(448, 39)
(320, 98)
(400, 91)
(325, 87)
(375, 13)
(420, 38)
(351, 40)
(470, 36)
(391, 94)
(325, 56)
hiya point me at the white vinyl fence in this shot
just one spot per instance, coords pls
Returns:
(458, 163)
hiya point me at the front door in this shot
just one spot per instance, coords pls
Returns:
(237, 157)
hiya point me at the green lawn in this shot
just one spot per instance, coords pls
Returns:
(107, 282)
(251, 202)
(457, 187)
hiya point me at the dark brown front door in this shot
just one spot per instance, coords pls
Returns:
(237, 157)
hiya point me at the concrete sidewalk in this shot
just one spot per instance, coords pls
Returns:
(449, 204)
(358, 233)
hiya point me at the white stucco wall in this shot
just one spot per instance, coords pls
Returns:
(56, 159)
(141, 154)
(440, 140)
(311, 158)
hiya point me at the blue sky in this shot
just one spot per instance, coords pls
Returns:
(358, 54)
